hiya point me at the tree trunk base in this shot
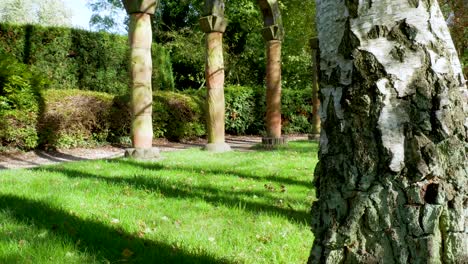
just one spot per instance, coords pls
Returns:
(314, 137)
(270, 142)
(217, 147)
(143, 153)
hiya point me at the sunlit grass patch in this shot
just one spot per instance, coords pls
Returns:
(191, 207)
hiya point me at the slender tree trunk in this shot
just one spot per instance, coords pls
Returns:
(141, 69)
(315, 89)
(392, 181)
(214, 24)
(140, 37)
(215, 87)
(273, 92)
(273, 34)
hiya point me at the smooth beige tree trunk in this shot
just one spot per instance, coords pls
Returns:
(140, 37)
(214, 72)
(273, 92)
(392, 181)
(141, 69)
(214, 24)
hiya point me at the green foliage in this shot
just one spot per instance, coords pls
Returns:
(74, 118)
(240, 109)
(18, 130)
(252, 207)
(43, 12)
(177, 116)
(78, 59)
(296, 108)
(187, 50)
(20, 103)
(299, 25)
(456, 14)
(163, 78)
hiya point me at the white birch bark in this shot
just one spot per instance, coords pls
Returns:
(395, 131)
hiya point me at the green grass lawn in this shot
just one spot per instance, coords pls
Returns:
(190, 207)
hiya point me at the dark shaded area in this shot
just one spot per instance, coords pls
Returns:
(431, 194)
(57, 156)
(11, 259)
(269, 178)
(104, 242)
(306, 149)
(209, 194)
(27, 44)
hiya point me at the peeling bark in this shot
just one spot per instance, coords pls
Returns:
(392, 181)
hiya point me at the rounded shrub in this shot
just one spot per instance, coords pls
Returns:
(74, 118)
(177, 116)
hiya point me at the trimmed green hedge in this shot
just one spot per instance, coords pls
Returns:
(78, 59)
(76, 118)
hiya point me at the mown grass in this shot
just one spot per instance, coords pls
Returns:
(190, 207)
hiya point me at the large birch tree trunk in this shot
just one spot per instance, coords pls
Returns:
(392, 181)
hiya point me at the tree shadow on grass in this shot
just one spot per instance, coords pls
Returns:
(233, 199)
(269, 178)
(95, 237)
(311, 147)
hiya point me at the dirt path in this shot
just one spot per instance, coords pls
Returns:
(39, 157)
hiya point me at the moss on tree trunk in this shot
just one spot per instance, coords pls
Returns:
(392, 181)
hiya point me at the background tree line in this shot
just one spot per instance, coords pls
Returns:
(176, 28)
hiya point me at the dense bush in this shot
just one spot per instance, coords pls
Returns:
(296, 110)
(20, 104)
(78, 59)
(177, 116)
(73, 118)
(240, 109)
(246, 110)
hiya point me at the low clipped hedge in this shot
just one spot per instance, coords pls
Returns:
(76, 118)
(73, 118)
